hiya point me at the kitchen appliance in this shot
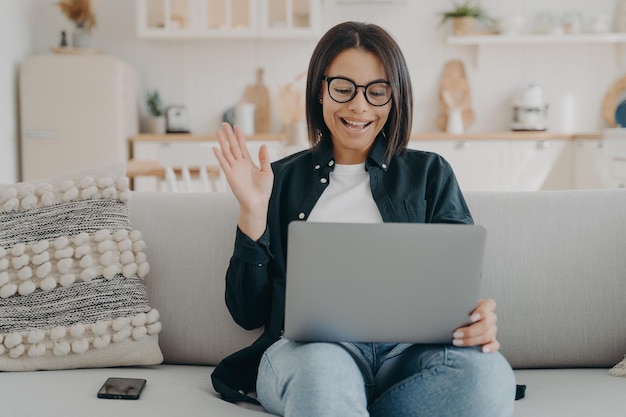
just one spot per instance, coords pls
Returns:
(76, 112)
(177, 119)
(530, 111)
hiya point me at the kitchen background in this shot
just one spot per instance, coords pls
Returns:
(209, 75)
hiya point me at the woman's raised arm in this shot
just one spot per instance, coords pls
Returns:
(251, 185)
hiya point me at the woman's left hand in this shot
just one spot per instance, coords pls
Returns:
(482, 331)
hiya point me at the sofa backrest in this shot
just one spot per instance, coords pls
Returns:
(555, 263)
(190, 238)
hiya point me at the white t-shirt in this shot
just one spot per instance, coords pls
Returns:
(348, 198)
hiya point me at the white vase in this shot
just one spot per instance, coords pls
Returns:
(81, 38)
(455, 121)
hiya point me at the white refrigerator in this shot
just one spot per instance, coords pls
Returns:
(76, 112)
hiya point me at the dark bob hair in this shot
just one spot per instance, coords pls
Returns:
(371, 38)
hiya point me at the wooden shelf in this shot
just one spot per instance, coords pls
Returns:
(511, 135)
(505, 135)
(187, 137)
(478, 40)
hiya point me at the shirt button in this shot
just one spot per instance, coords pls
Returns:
(323, 180)
(301, 216)
(317, 167)
(384, 166)
(331, 163)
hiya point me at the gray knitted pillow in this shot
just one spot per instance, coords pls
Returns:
(619, 369)
(71, 276)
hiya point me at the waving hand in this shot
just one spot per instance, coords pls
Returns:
(251, 185)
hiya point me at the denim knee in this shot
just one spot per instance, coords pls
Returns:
(448, 381)
(310, 379)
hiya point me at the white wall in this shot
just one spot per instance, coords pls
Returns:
(209, 75)
(16, 33)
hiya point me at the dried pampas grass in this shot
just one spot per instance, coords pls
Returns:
(290, 99)
(80, 12)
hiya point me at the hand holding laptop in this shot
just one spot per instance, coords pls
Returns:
(482, 331)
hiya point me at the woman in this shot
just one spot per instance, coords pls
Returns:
(359, 108)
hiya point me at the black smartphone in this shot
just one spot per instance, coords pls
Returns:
(122, 388)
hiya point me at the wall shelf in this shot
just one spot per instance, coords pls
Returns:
(478, 42)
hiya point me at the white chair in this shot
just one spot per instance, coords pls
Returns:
(190, 157)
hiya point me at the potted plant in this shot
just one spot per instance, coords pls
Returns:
(155, 123)
(81, 13)
(464, 16)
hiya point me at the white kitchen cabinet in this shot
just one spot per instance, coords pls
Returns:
(541, 165)
(156, 17)
(164, 19)
(149, 148)
(478, 165)
(228, 18)
(506, 165)
(290, 18)
(593, 168)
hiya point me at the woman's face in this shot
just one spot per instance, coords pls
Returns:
(355, 124)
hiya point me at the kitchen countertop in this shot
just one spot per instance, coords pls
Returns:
(139, 167)
(192, 137)
(506, 135)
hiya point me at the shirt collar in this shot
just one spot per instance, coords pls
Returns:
(323, 154)
(377, 154)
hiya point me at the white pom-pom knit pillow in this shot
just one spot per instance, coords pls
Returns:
(72, 293)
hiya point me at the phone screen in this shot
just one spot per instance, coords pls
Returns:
(122, 388)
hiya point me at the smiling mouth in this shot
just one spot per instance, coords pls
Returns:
(355, 125)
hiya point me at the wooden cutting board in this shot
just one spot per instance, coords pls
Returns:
(612, 99)
(259, 95)
(454, 90)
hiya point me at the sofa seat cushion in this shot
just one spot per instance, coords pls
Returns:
(174, 390)
(190, 238)
(571, 393)
(171, 390)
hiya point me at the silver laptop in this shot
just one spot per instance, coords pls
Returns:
(387, 282)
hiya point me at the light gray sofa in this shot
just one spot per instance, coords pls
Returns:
(555, 262)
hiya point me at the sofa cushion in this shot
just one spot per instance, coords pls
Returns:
(570, 392)
(171, 390)
(71, 276)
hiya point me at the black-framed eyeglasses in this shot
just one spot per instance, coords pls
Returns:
(342, 90)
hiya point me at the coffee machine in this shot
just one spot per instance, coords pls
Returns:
(530, 111)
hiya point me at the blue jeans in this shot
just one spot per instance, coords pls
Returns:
(382, 379)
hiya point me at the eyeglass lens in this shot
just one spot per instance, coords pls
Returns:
(343, 90)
